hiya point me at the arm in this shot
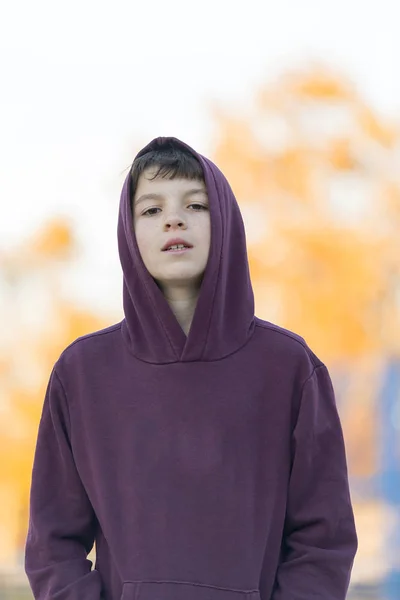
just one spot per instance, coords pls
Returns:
(319, 540)
(62, 521)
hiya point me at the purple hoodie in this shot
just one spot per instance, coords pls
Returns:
(204, 467)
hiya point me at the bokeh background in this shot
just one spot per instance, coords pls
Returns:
(299, 105)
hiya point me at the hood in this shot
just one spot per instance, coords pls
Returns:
(224, 316)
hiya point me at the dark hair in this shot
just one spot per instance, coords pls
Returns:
(172, 161)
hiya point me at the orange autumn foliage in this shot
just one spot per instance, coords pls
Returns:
(26, 360)
(322, 270)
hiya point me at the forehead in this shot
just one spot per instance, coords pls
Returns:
(162, 185)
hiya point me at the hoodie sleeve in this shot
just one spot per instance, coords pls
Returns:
(319, 540)
(61, 520)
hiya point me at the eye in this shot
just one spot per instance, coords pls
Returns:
(150, 214)
(198, 206)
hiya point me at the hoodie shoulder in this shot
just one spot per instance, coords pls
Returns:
(91, 346)
(288, 343)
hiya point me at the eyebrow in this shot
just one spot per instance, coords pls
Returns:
(160, 196)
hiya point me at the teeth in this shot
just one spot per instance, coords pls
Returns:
(177, 247)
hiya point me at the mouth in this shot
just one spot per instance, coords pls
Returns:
(177, 245)
(181, 249)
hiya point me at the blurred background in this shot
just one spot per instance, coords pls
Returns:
(299, 105)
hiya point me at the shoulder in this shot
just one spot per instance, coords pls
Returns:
(92, 347)
(288, 347)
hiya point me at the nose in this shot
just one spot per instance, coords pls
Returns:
(174, 221)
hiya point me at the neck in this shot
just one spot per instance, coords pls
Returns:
(183, 303)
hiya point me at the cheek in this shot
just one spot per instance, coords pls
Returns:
(205, 230)
(143, 238)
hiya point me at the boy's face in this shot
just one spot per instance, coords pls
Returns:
(176, 208)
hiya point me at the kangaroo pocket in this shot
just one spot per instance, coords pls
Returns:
(167, 590)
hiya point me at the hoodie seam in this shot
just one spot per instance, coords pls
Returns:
(192, 583)
(219, 267)
(154, 308)
(196, 360)
(113, 328)
(64, 394)
(81, 338)
(301, 394)
(292, 337)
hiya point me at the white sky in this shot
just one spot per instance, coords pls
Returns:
(84, 85)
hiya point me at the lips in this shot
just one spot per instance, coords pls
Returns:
(176, 242)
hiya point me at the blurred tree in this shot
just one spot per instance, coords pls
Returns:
(314, 170)
(27, 354)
